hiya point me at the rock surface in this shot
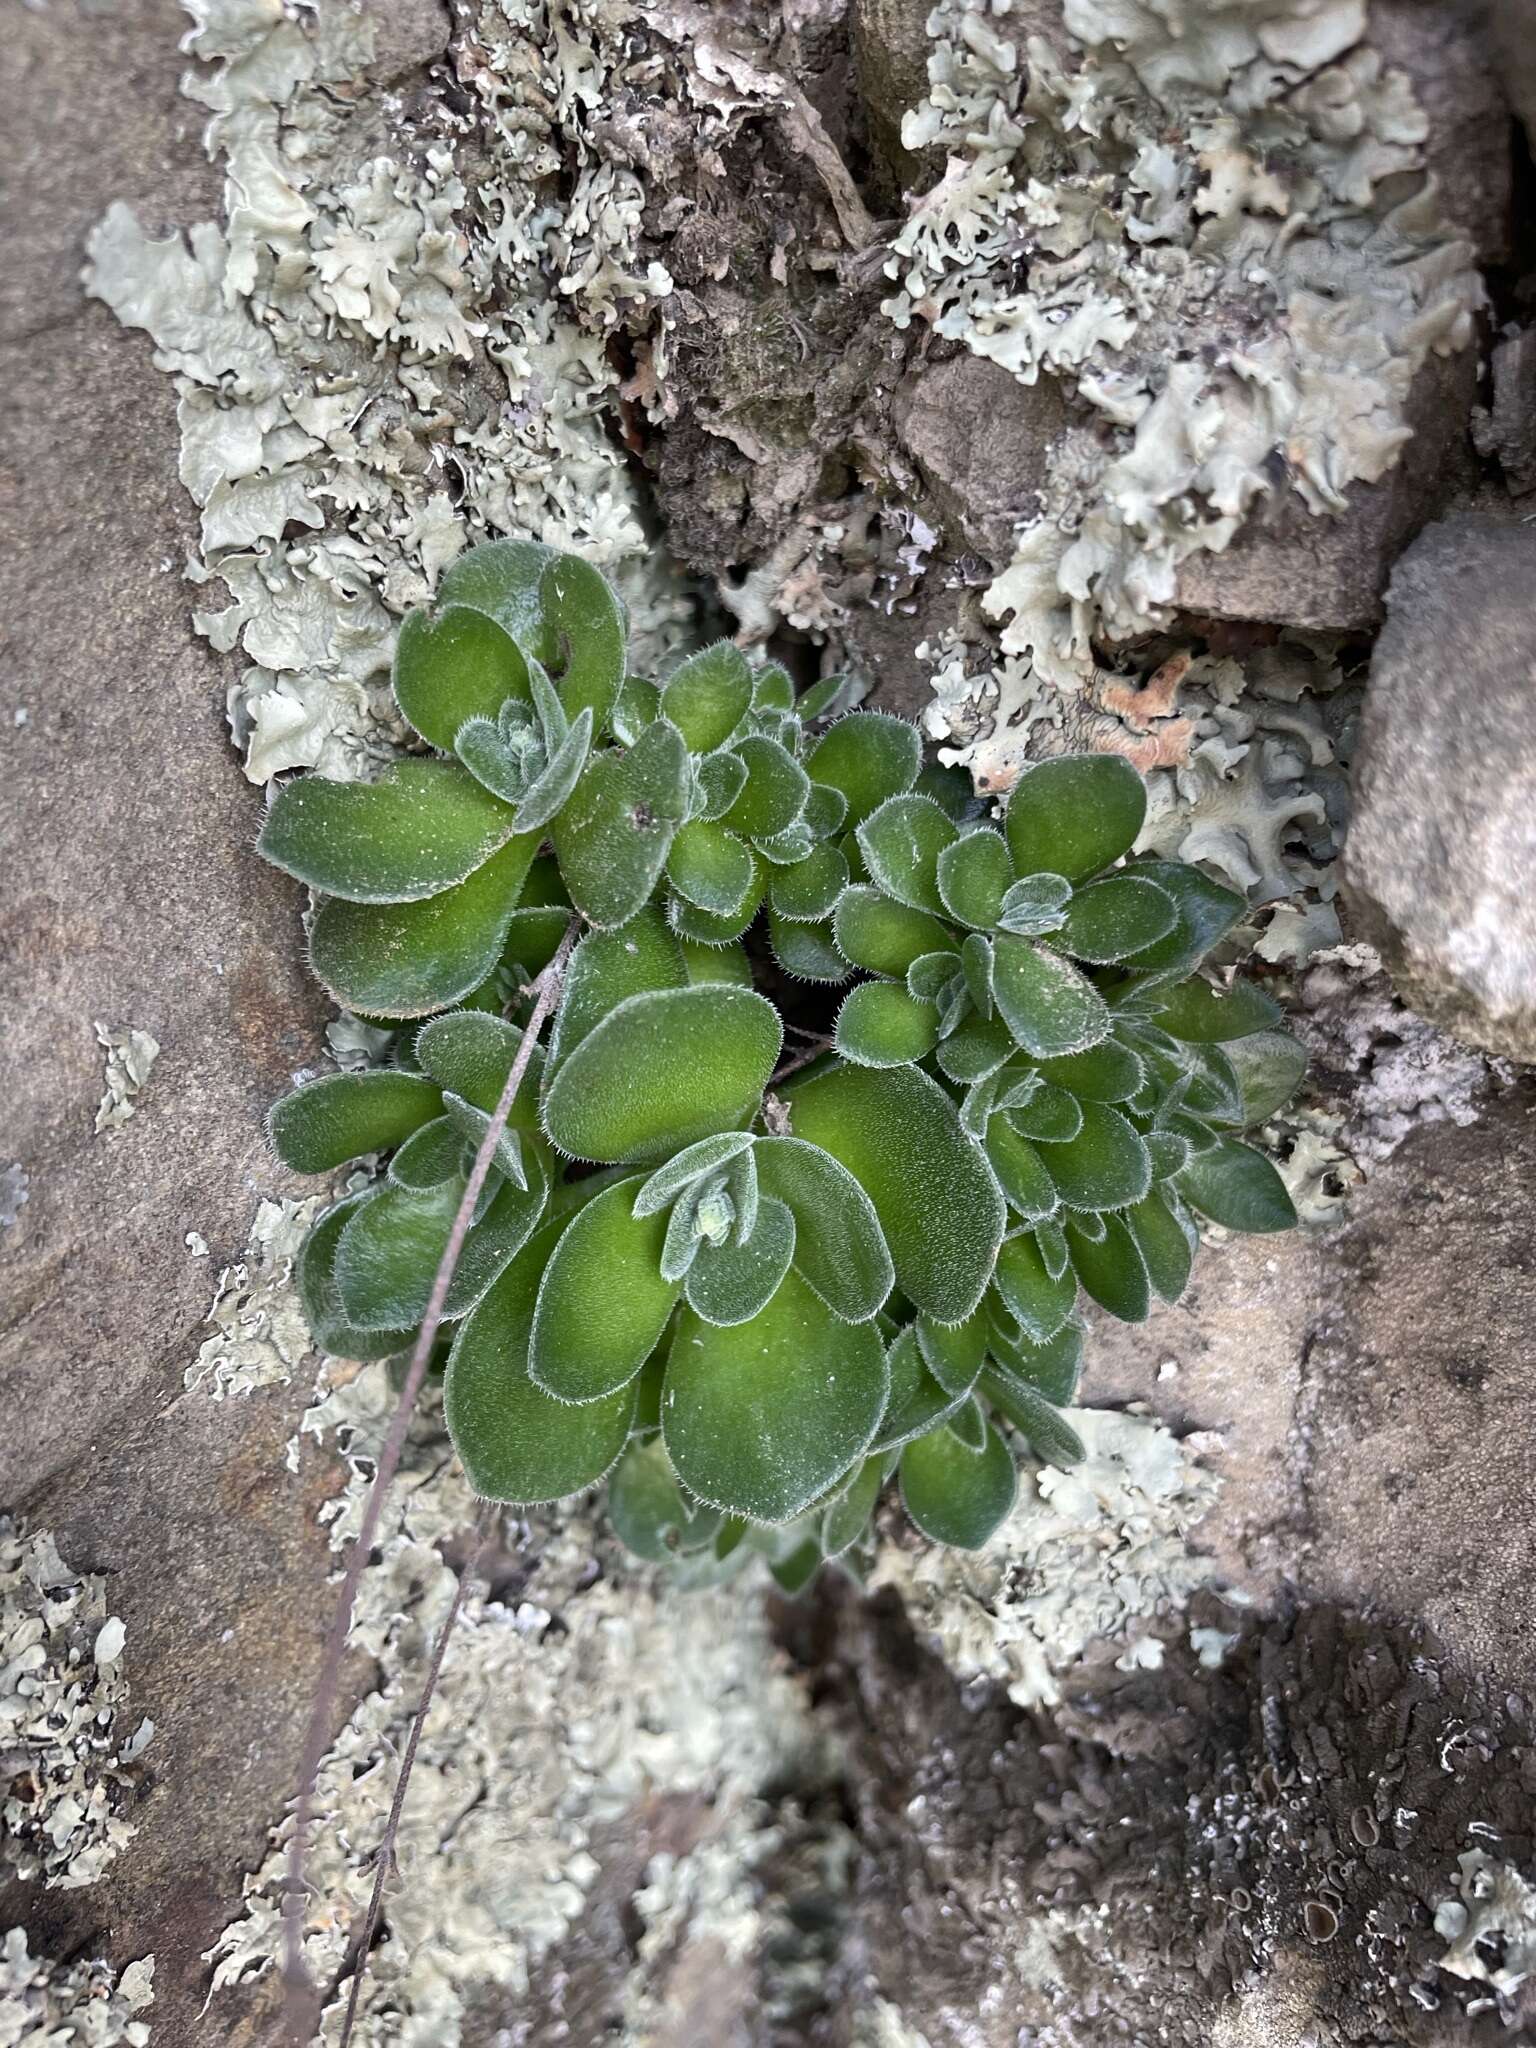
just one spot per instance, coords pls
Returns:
(1440, 856)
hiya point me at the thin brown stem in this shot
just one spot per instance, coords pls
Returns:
(302, 2000)
(362, 1945)
(801, 1059)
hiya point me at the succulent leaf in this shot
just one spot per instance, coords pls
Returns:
(1075, 815)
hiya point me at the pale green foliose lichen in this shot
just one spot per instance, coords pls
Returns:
(71, 2005)
(66, 1749)
(1249, 174)
(131, 1054)
(260, 1337)
(378, 364)
(1092, 1556)
(1489, 1924)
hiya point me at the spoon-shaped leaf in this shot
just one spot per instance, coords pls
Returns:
(614, 832)
(712, 869)
(707, 696)
(955, 1493)
(1048, 1006)
(1104, 1166)
(661, 1070)
(585, 624)
(873, 932)
(880, 1025)
(760, 1418)
(602, 1302)
(1051, 1437)
(774, 793)
(648, 1511)
(974, 874)
(730, 1283)
(342, 1117)
(1112, 1270)
(868, 756)
(471, 1052)
(1075, 815)
(1039, 1303)
(416, 831)
(809, 890)
(805, 951)
(431, 1155)
(847, 1517)
(1116, 917)
(839, 1247)
(504, 578)
(454, 665)
(407, 959)
(516, 1441)
(1238, 1187)
(1051, 1368)
(901, 844)
(1165, 1248)
(321, 1299)
(388, 1254)
(1199, 1011)
(940, 1208)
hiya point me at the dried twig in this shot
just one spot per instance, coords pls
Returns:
(362, 1943)
(302, 1999)
(798, 1060)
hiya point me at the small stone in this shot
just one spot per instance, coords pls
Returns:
(1441, 856)
(982, 441)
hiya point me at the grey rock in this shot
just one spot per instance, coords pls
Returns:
(1512, 26)
(1440, 863)
(1507, 432)
(982, 441)
(1298, 568)
(1457, 72)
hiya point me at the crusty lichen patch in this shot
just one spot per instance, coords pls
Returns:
(1096, 1555)
(74, 2005)
(260, 1336)
(580, 1690)
(66, 1747)
(1248, 174)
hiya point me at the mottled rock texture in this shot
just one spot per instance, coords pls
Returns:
(1442, 850)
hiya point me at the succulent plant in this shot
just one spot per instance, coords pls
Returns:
(750, 1290)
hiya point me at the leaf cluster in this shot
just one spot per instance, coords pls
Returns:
(751, 1300)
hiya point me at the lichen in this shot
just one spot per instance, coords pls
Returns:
(81, 2004)
(130, 1056)
(582, 1689)
(15, 1192)
(1250, 174)
(65, 1762)
(1489, 1925)
(1088, 1557)
(259, 1333)
(378, 360)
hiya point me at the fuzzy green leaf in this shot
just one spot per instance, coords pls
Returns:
(606, 968)
(1020, 1171)
(711, 868)
(637, 706)
(805, 951)
(430, 1156)
(344, 1116)
(880, 1025)
(453, 665)
(839, 1247)
(1039, 1303)
(407, 959)
(1237, 1187)
(873, 932)
(974, 875)
(473, 1123)
(1105, 1166)
(773, 688)
(1206, 913)
(977, 1047)
(901, 843)
(613, 835)
(976, 959)
(1111, 919)
(694, 1162)
(321, 1299)
(809, 890)
(940, 1209)
(1109, 1072)
(388, 1254)
(760, 1418)
(775, 791)
(1051, 1115)
(1112, 1269)
(826, 811)
(1035, 905)
(954, 1352)
(551, 790)
(1075, 815)
(847, 1517)
(504, 578)
(717, 780)
(788, 848)
(869, 756)
(728, 963)
(648, 1511)
(471, 1052)
(602, 1303)
(1206, 1015)
(584, 620)
(420, 828)
(1165, 1248)
(1049, 1007)
(1051, 1368)
(661, 1070)
(731, 1283)
(916, 1402)
(702, 928)
(954, 1493)
(516, 1441)
(1051, 1437)
(707, 697)
(1269, 1066)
